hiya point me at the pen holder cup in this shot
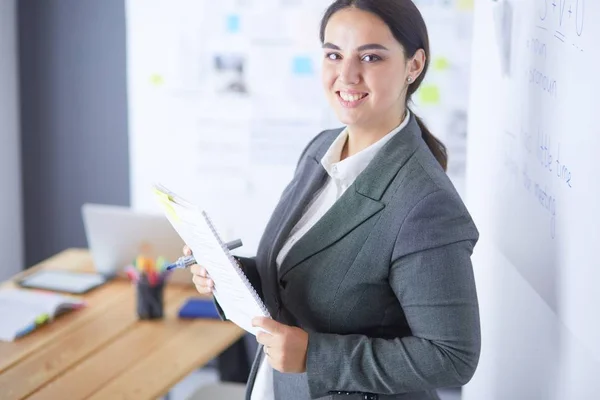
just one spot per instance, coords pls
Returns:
(149, 300)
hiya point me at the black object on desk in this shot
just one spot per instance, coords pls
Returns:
(150, 299)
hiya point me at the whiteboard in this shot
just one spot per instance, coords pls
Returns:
(223, 97)
(531, 186)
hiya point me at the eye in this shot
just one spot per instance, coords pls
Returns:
(370, 58)
(333, 56)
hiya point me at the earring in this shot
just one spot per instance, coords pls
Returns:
(409, 79)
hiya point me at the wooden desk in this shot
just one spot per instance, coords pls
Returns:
(103, 352)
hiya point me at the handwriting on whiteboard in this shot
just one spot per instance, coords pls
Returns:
(536, 76)
(535, 185)
(550, 160)
(542, 81)
(564, 20)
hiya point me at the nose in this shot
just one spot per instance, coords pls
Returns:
(349, 73)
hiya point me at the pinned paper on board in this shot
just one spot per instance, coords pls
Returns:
(233, 23)
(429, 95)
(302, 66)
(441, 63)
(157, 79)
(465, 5)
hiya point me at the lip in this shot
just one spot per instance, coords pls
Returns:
(351, 104)
(351, 91)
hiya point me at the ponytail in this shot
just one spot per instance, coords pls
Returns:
(437, 148)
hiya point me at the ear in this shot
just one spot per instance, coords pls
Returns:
(416, 64)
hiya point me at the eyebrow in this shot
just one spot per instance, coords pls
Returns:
(370, 46)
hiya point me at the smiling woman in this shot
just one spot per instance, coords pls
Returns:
(375, 46)
(365, 263)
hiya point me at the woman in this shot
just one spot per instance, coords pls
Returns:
(365, 264)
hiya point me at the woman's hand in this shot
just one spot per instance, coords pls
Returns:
(200, 277)
(285, 346)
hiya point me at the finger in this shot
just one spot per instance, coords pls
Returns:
(273, 358)
(264, 338)
(204, 290)
(199, 270)
(203, 282)
(268, 324)
(187, 251)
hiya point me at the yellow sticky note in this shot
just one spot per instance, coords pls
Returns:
(465, 5)
(166, 202)
(157, 79)
(441, 63)
(429, 94)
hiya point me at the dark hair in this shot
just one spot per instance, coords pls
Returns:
(408, 27)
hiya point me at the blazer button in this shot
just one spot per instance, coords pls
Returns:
(282, 283)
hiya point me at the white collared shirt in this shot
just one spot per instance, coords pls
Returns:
(342, 175)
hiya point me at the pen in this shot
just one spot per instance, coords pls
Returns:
(186, 261)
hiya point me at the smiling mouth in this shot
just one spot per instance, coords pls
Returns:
(351, 100)
(352, 97)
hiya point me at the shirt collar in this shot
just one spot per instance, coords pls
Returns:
(347, 170)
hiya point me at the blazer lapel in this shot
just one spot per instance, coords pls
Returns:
(351, 210)
(359, 203)
(312, 177)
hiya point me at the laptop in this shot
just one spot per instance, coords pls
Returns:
(116, 235)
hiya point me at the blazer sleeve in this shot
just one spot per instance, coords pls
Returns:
(435, 286)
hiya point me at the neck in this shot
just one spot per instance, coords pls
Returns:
(361, 137)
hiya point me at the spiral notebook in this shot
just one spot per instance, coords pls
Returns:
(237, 297)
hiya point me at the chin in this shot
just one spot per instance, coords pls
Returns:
(347, 119)
(346, 116)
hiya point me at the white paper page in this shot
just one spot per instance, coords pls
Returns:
(20, 309)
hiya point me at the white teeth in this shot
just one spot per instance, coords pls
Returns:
(351, 97)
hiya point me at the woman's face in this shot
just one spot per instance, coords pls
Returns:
(364, 70)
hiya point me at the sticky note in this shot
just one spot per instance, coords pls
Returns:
(302, 66)
(441, 63)
(166, 200)
(465, 5)
(233, 23)
(429, 94)
(156, 80)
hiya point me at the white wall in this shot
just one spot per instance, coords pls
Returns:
(11, 249)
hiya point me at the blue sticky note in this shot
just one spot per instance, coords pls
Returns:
(302, 66)
(233, 23)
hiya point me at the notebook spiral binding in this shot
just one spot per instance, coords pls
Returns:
(234, 262)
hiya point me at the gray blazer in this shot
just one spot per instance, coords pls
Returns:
(383, 283)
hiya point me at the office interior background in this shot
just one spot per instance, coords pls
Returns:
(101, 98)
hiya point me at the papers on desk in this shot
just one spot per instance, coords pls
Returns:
(21, 311)
(235, 294)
